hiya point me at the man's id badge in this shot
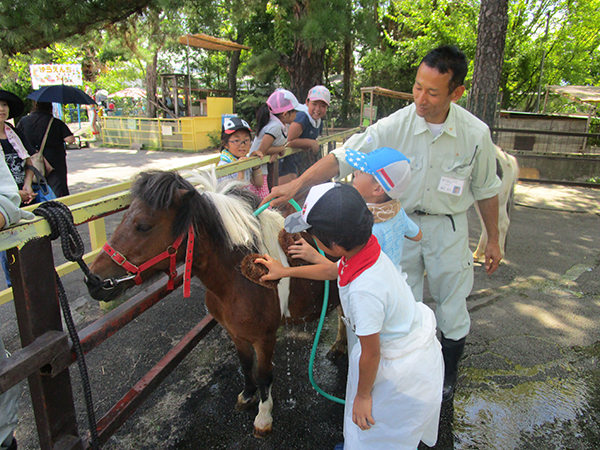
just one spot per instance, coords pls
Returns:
(451, 186)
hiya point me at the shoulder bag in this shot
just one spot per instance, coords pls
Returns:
(39, 162)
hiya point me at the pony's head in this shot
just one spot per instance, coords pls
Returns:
(163, 206)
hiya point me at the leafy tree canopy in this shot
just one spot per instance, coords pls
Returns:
(29, 25)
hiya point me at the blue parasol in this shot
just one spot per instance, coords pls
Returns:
(61, 94)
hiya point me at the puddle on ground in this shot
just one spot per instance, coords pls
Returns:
(504, 418)
(560, 412)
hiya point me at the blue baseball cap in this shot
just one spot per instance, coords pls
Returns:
(390, 168)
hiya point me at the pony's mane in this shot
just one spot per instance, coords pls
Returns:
(223, 210)
(234, 205)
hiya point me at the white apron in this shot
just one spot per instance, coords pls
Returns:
(407, 393)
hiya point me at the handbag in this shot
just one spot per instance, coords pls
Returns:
(41, 187)
(39, 162)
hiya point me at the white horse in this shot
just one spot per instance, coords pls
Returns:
(508, 171)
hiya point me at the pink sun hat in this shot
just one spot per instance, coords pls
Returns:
(281, 101)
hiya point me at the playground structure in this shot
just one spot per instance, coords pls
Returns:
(181, 133)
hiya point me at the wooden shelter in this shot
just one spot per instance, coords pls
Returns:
(171, 83)
(211, 43)
(367, 112)
(581, 94)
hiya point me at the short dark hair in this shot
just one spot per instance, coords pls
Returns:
(42, 106)
(447, 58)
(361, 234)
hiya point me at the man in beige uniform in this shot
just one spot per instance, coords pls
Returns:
(452, 166)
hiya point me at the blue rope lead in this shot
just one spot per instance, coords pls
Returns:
(311, 361)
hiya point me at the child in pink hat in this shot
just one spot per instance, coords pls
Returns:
(272, 122)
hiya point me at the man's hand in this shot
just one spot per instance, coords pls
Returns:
(323, 170)
(493, 256)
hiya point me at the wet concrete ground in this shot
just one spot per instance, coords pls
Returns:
(530, 377)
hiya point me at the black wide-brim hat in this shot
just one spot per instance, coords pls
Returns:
(15, 105)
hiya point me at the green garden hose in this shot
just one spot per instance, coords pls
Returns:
(313, 352)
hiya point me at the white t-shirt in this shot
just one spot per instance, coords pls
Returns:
(380, 301)
(274, 128)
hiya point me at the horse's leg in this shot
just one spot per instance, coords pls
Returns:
(247, 398)
(340, 346)
(479, 253)
(263, 423)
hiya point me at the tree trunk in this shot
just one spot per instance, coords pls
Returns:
(151, 75)
(346, 82)
(233, 69)
(491, 38)
(306, 69)
(306, 65)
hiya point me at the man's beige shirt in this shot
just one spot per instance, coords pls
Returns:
(449, 172)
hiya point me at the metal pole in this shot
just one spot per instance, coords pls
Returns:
(537, 102)
(187, 59)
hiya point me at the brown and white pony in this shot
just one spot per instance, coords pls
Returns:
(163, 207)
(507, 170)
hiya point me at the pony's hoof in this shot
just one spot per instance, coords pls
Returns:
(337, 351)
(262, 433)
(246, 405)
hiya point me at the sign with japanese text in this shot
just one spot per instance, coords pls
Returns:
(49, 74)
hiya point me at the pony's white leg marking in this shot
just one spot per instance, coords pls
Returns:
(264, 420)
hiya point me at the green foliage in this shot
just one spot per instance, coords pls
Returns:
(117, 42)
(572, 48)
(410, 29)
(215, 138)
(29, 25)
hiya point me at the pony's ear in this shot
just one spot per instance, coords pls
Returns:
(183, 196)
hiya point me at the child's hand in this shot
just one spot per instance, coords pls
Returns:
(361, 412)
(258, 153)
(315, 147)
(274, 156)
(276, 269)
(27, 195)
(305, 251)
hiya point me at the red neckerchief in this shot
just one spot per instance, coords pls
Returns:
(348, 270)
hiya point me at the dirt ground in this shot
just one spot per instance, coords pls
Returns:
(530, 377)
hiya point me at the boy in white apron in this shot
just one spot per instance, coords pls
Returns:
(395, 377)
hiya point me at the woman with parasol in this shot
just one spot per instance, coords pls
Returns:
(35, 126)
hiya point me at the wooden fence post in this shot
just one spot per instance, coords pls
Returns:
(38, 311)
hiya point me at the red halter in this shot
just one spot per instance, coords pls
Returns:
(171, 253)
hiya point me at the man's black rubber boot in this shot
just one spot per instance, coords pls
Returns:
(452, 351)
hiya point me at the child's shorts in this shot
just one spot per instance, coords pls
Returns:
(288, 165)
